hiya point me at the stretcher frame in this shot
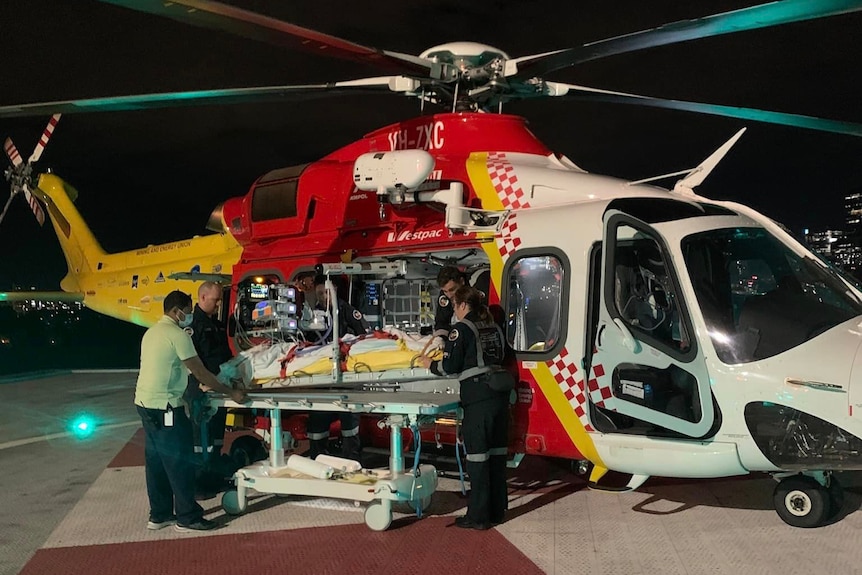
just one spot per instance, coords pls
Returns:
(379, 487)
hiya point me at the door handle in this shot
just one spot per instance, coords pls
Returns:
(629, 340)
(815, 384)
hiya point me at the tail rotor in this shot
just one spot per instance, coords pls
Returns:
(20, 174)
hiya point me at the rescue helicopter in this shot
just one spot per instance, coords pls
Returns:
(651, 335)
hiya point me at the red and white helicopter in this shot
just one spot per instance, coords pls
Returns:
(657, 332)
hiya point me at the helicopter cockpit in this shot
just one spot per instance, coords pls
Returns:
(758, 297)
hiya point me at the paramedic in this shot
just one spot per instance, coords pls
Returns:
(166, 352)
(474, 348)
(209, 337)
(350, 322)
(449, 278)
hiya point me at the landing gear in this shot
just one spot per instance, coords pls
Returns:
(803, 501)
(581, 466)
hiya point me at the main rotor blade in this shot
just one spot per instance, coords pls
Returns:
(200, 97)
(796, 120)
(762, 16)
(218, 16)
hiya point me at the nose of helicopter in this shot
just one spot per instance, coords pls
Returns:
(854, 383)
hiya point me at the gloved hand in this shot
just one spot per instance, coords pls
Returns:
(437, 344)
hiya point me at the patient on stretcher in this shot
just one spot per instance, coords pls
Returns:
(273, 364)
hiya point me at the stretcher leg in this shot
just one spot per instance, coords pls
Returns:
(276, 447)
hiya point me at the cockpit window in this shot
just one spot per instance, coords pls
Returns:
(644, 294)
(758, 297)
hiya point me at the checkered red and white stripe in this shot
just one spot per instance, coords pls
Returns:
(601, 392)
(508, 240)
(565, 372)
(505, 181)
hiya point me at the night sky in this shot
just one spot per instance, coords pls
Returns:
(154, 176)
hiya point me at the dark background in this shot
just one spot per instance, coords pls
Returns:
(154, 176)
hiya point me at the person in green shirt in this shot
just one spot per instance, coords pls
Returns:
(167, 355)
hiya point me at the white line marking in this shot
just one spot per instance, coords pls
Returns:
(28, 440)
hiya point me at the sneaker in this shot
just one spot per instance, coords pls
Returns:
(154, 525)
(199, 525)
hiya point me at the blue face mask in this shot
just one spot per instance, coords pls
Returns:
(187, 319)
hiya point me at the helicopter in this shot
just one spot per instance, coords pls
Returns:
(650, 326)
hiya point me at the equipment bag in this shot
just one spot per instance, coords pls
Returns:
(500, 380)
(496, 377)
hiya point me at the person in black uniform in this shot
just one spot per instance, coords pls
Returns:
(209, 337)
(352, 322)
(449, 278)
(475, 349)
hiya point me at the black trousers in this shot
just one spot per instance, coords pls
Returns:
(485, 429)
(317, 429)
(168, 466)
(208, 435)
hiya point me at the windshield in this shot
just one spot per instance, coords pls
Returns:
(758, 297)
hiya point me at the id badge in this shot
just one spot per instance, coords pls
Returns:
(169, 418)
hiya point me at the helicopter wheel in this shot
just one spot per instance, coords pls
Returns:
(801, 501)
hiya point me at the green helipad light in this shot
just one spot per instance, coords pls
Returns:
(83, 426)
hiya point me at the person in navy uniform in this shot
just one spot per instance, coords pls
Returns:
(350, 322)
(209, 337)
(475, 348)
(449, 278)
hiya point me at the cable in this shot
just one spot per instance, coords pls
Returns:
(417, 444)
(458, 444)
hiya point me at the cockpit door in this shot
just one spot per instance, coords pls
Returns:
(646, 364)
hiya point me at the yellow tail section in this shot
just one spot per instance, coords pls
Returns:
(131, 285)
(78, 243)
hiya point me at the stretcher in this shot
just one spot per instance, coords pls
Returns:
(379, 488)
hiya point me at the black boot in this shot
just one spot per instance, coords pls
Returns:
(350, 448)
(316, 447)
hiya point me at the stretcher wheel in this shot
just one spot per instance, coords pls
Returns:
(231, 504)
(378, 517)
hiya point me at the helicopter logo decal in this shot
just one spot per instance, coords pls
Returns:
(422, 137)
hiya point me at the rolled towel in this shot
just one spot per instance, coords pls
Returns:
(339, 463)
(309, 467)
